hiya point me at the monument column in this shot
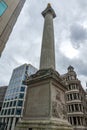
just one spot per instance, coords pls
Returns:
(47, 59)
(45, 100)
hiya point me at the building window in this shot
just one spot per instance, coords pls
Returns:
(71, 120)
(14, 103)
(4, 104)
(26, 67)
(75, 96)
(72, 108)
(18, 111)
(7, 104)
(20, 103)
(16, 96)
(78, 118)
(2, 112)
(76, 107)
(22, 89)
(69, 87)
(9, 110)
(74, 121)
(21, 95)
(3, 7)
(12, 112)
(80, 106)
(71, 97)
(5, 112)
(11, 104)
(30, 129)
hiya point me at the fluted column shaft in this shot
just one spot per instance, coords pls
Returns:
(47, 59)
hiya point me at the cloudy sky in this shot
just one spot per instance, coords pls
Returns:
(24, 44)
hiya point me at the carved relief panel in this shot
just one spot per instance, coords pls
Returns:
(58, 104)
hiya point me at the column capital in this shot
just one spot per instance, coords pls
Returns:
(50, 10)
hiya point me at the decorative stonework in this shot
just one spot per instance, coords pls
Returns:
(58, 110)
(58, 107)
(58, 95)
(55, 111)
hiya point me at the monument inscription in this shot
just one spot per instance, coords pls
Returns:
(38, 103)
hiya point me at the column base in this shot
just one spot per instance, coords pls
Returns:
(52, 124)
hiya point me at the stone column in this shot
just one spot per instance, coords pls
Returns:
(72, 96)
(68, 119)
(80, 121)
(74, 107)
(82, 107)
(79, 107)
(70, 109)
(72, 120)
(47, 59)
(76, 121)
(76, 96)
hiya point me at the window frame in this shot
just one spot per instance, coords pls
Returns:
(2, 2)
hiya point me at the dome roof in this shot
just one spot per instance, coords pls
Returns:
(70, 68)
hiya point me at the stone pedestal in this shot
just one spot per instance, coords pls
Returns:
(45, 103)
(43, 125)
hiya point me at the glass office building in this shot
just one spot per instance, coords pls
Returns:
(9, 12)
(13, 105)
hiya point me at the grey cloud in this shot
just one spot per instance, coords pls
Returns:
(63, 62)
(79, 64)
(78, 35)
(82, 4)
(24, 44)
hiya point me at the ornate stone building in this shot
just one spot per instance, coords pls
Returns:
(75, 100)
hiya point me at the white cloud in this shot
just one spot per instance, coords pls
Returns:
(67, 49)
